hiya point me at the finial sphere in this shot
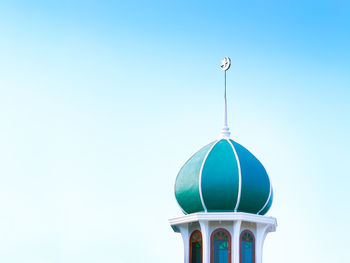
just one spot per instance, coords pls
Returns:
(225, 63)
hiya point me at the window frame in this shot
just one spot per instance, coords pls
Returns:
(212, 244)
(240, 244)
(190, 244)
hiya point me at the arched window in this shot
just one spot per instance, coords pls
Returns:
(247, 247)
(196, 247)
(220, 246)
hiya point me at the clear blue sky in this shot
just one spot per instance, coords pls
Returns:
(103, 101)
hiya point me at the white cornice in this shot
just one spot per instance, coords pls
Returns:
(225, 216)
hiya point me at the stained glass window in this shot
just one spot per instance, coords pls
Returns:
(196, 247)
(247, 247)
(221, 246)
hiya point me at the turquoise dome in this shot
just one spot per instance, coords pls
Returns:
(223, 176)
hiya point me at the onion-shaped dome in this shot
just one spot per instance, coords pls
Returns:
(223, 176)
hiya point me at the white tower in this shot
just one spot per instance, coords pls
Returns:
(224, 192)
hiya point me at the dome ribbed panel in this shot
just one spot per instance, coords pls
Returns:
(267, 208)
(255, 184)
(220, 179)
(187, 182)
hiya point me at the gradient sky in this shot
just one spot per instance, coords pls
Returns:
(102, 102)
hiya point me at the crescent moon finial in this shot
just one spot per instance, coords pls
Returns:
(225, 63)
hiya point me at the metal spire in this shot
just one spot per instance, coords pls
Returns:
(225, 132)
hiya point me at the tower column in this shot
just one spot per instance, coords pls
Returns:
(235, 241)
(205, 240)
(261, 232)
(186, 239)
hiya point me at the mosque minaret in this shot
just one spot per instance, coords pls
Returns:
(224, 192)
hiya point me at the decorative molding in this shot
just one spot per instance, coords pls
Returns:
(225, 216)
